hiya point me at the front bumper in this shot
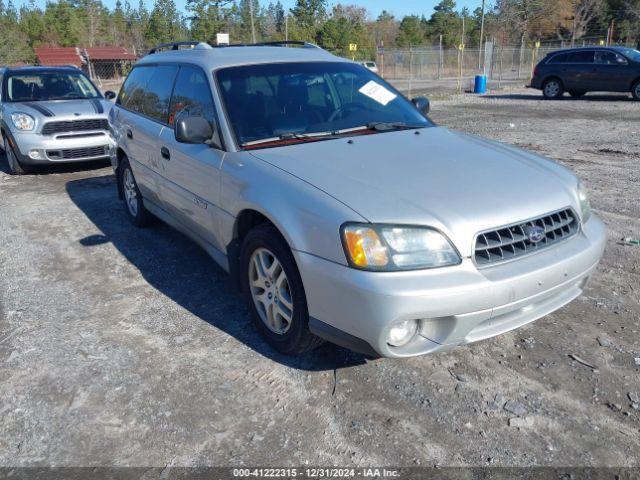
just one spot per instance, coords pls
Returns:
(62, 148)
(455, 305)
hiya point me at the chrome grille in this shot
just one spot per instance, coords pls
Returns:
(513, 241)
(75, 126)
(73, 153)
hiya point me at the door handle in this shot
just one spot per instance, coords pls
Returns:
(164, 151)
(129, 133)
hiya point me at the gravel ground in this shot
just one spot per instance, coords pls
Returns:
(127, 347)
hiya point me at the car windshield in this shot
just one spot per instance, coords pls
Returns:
(631, 53)
(40, 86)
(311, 100)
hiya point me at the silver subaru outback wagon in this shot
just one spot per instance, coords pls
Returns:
(52, 115)
(339, 208)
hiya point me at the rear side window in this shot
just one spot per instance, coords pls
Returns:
(147, 90)
(155, 103)
(561, 58)
(132, 92)
(191, 94)
(581, 57)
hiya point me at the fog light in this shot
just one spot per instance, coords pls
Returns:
(401, 333)
(35, 154)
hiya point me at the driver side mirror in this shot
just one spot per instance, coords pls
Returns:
(422, 104)
(193, 129)
(109, 95)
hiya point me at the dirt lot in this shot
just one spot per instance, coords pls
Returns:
(127, 347)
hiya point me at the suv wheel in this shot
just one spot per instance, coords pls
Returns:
(552, 88)
(577, 93)
(133, 205)
(635, 90)
(15, 167)
(273, 288)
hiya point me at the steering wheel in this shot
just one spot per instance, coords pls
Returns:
(347, 107)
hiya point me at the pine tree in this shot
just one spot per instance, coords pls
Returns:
(309, 15)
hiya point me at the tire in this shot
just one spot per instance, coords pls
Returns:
(635, 91)
(15, 167)
(577, 93)
(133, 204)
(278, 304)
(552, 88)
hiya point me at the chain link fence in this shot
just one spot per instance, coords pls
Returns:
(415, 68)
(408, 69)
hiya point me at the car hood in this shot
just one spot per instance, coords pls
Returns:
(65, 108)
(458, 183)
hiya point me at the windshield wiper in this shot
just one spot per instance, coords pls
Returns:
(386, 126)
(312, 136)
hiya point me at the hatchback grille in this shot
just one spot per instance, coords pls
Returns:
(514, 240)
(72, 153)
(75, 126)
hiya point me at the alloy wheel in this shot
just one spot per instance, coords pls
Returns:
(130, 192)
(270, 291)
(552, 89)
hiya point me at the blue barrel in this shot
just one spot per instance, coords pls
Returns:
(481, 84)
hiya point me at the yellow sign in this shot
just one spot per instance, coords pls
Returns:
(601, 42)
(461, 46)
(538, 44)
(353, 47)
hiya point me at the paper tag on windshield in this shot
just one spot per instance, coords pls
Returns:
(376, 91)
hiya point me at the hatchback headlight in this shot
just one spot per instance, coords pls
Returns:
(585, 205)
(393, 248)
(22, 121)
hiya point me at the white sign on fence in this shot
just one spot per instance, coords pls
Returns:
(222, 38)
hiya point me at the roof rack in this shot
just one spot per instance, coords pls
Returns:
(283, 43)
(193, 43)
(173, 46)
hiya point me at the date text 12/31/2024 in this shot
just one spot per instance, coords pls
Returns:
(315, 473)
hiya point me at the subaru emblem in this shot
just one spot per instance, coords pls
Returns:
(534, 233)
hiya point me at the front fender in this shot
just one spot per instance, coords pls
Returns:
(308, 218)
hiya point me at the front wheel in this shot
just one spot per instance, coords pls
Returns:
(635, 90)
(15, 167)
(552, 89)
(274, 291)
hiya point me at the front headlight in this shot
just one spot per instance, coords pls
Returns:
(393, 248)
(585, 205)
(22, 121)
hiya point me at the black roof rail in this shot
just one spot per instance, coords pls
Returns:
(173, 46)
(285, 43)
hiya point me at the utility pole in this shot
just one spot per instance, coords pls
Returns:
(253, 28)
(610, 40)
(286, 27)
(481, 37)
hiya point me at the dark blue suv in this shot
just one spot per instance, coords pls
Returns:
(588, 69)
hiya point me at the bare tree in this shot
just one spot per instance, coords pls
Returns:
(580, 14)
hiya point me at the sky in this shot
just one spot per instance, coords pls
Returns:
(399, 8)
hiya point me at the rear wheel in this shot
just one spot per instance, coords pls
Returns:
(635, 90)
(273, 288)
(133, 204)
(577, 93)
(552, 89)
(15, 167)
